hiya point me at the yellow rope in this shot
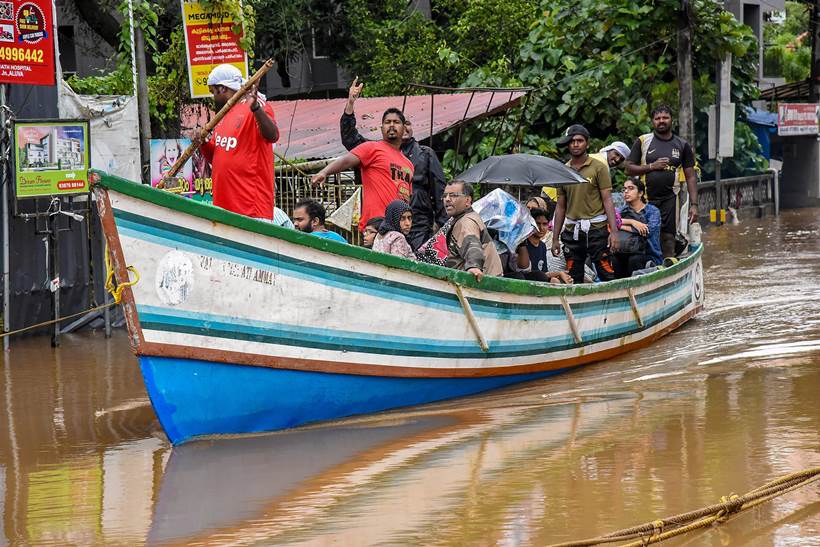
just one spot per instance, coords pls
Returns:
(653, 532)
(116, 291)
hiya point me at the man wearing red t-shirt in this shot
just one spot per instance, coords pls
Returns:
(240, 148)
(387, 174)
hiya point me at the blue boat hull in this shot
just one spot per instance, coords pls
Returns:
(195, 398)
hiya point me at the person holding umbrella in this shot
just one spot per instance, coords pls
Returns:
(584, 214)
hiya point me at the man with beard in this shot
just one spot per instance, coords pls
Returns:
(428, 175)
(585, 211)
(309, 217)
(662, 160)
(240, 148)
(386, 173)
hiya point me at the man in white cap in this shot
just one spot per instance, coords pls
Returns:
(240, 148)
(613, 155)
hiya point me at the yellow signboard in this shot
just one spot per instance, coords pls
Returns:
(209, 41)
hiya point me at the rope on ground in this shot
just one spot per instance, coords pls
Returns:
(661, 529)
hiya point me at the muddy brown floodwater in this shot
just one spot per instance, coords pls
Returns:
(721, 406)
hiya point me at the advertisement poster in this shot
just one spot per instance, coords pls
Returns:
(26, 42)
(164, 153)
(193, 118)
(52, 157)
(797, 119)
(209, 41)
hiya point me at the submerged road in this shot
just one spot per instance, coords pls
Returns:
(721, 406)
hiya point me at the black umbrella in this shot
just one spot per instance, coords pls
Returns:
(521, 170)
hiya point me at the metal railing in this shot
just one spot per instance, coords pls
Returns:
(293, 184)
(752, 192)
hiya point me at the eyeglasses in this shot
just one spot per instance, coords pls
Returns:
(452, 195)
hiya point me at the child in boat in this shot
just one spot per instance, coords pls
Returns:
(532, 255)
(392, 236)
(639, 236)
(371, 230)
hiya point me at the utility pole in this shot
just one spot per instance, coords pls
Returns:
(5, 167)
(142, 100)
(686, 125)
(814, 77)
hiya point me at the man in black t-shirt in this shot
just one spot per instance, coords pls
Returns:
(662, 159)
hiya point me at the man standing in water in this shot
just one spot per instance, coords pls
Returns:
(386, 173)
(584, 211)
(240, 148)
(428, 174)
(660, 158)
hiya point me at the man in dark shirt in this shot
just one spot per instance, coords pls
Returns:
(428, 175)
(662, 159)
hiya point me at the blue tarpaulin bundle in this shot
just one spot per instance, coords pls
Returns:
(764, 125)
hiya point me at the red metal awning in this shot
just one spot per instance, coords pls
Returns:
(310, 127)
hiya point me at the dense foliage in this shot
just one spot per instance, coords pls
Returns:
(605, 63)
(788, 45)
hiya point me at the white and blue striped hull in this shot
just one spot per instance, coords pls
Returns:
(243, 327)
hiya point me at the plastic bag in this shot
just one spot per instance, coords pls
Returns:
(508, 221)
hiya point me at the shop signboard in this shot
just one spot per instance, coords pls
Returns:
(210, 40)
(26, 42)
(52, 157)
(797, 119)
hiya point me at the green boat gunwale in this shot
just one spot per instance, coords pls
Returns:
(494, 284)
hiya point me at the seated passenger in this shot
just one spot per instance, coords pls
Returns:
(640, 232)
(392, 236)
(469, 246)
(371, 228)
(538, 202)
(533, 257)
(281, 218)
(309, 217)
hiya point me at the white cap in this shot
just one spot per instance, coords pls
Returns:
(619, 147)
(226, 75)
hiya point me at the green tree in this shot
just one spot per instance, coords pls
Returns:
(787, 52)
(605, 63)
(390, 45)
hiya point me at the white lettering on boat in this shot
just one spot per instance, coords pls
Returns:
(240, 271)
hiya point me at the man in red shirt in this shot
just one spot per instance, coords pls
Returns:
(387, 174)
(240, 149)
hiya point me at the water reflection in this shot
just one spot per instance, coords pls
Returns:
(720, 406)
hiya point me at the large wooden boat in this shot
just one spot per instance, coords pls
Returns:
(241, 326)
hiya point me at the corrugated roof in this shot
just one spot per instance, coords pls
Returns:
(793, 91)
(310, 127)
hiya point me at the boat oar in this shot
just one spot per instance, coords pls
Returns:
(196, 139)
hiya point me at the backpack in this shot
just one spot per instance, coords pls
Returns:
(631, 243)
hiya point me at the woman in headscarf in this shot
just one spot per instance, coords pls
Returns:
(392, 237)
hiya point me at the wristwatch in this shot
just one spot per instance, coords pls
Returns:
(255, 106)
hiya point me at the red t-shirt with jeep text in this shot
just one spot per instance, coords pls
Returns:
(242, 163)
(387, 175)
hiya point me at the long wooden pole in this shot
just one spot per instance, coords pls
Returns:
(143, 110)
(196, 140)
